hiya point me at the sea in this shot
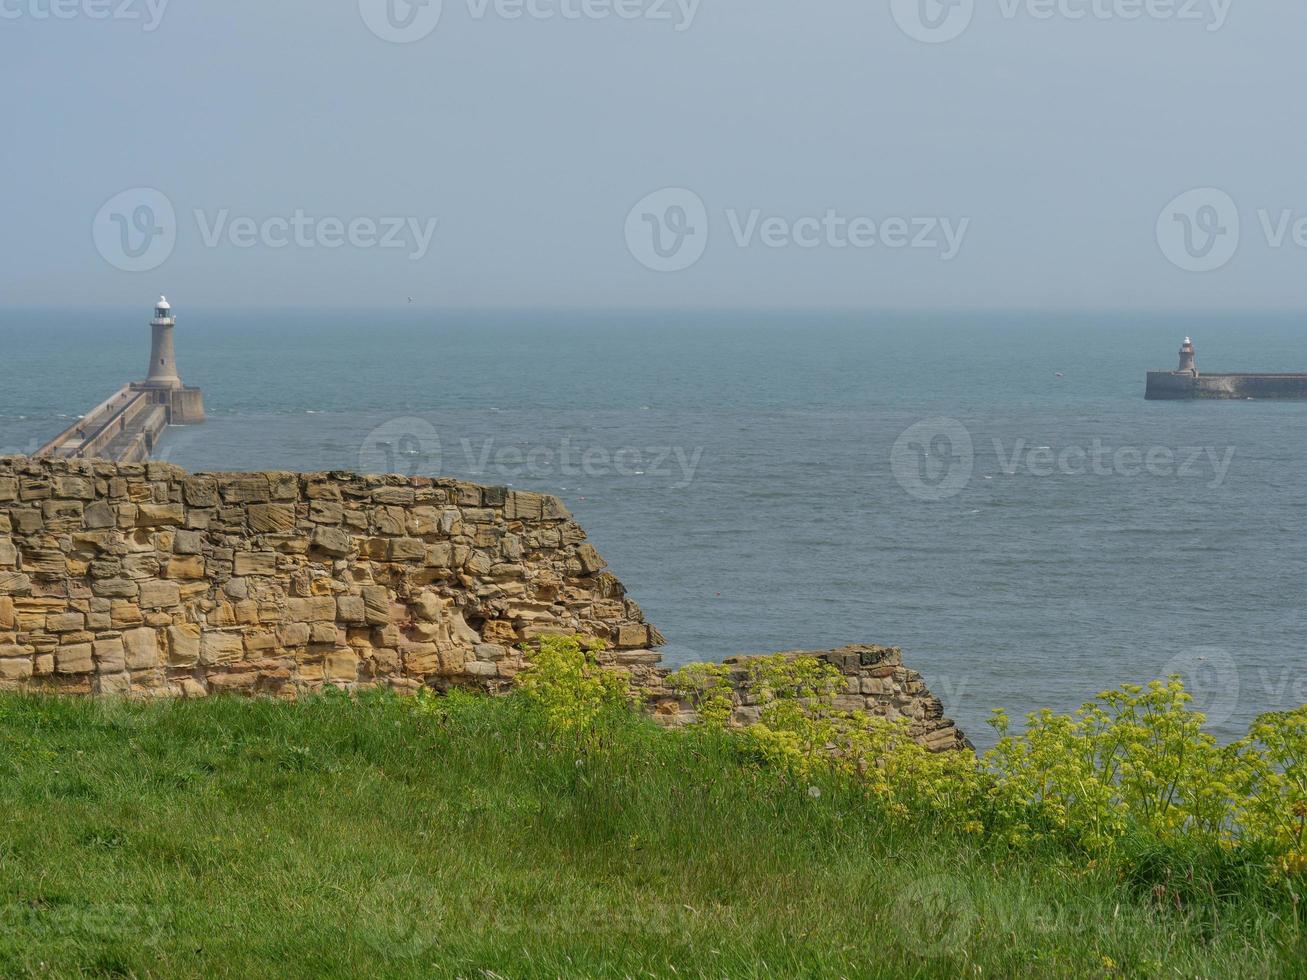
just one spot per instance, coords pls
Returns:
(990, 492)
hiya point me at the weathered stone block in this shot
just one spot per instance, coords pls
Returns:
(184, 645)
(255, 563)
(332, 540)
(293, 634)
(221, 648)
(8, 553)
(186, 567)
(75, 659)
(115, 588)
(316, 609)
(188, 543)
(157, 515)
(252, 488)
(141, 648)
(407, 549)
(65, 622)
(159, 595)
(271, 518)
(110, 656)
(14, 583)
(343, 666)
(15, 670)
(350, 609)
(376, 602)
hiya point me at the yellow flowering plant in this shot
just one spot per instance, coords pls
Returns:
(569, 687)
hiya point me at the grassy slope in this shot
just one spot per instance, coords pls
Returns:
(329, 838)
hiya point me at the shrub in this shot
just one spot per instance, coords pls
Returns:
(568, 687)
(707, 688)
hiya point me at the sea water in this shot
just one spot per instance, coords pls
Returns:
(989, 492)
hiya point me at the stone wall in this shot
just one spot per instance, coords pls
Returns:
(875, 682)
(141, 579)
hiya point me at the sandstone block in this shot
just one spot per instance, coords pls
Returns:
(186, 567)
(350, 609)
(8, 553)
(75, 659)
(221, 648)
(260, 642)
(140, 566)
(16, 670)
(316, 609)
(271, 518)
(115, 588)
(326, 512)
(293, 634)
(256, 563)
(332, 540)
(188, 543)
(141, 648)
(184, 645)
(252, 488)
(376, 603)
(200, 491)
(99, 514)
(157, 515)
(14, 583)
(6, 612)
(589, 559)
(632, 636)
(407, 549)
(343, 666)
(110, 656)
(322, 632)
(440, 555)
(159, 595)
(65, 622)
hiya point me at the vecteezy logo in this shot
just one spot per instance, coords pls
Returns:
(667, 231)
(1199, 230)
(933, 21)
(401, 21)
(1211, 677)
(934, 459)
(406, 446)
(136, 231)
(936, 915)
(400, 917)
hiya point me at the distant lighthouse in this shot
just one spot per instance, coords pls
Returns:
(163, 359)
(1188, 362)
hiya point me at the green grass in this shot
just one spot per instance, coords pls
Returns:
(339, 838)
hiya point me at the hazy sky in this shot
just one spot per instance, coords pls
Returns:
(1028, 162)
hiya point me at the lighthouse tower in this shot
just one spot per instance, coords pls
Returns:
(1188, 363)
(163, 360)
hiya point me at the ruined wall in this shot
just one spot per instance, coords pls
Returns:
(141, 579)
(875, 681)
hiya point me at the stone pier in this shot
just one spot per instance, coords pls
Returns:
(127, 426)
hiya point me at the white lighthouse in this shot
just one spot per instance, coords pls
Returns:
(163, 359)
(1188, 359)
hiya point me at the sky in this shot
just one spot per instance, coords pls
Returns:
(655, 154)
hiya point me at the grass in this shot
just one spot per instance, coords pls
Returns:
(360, 838)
